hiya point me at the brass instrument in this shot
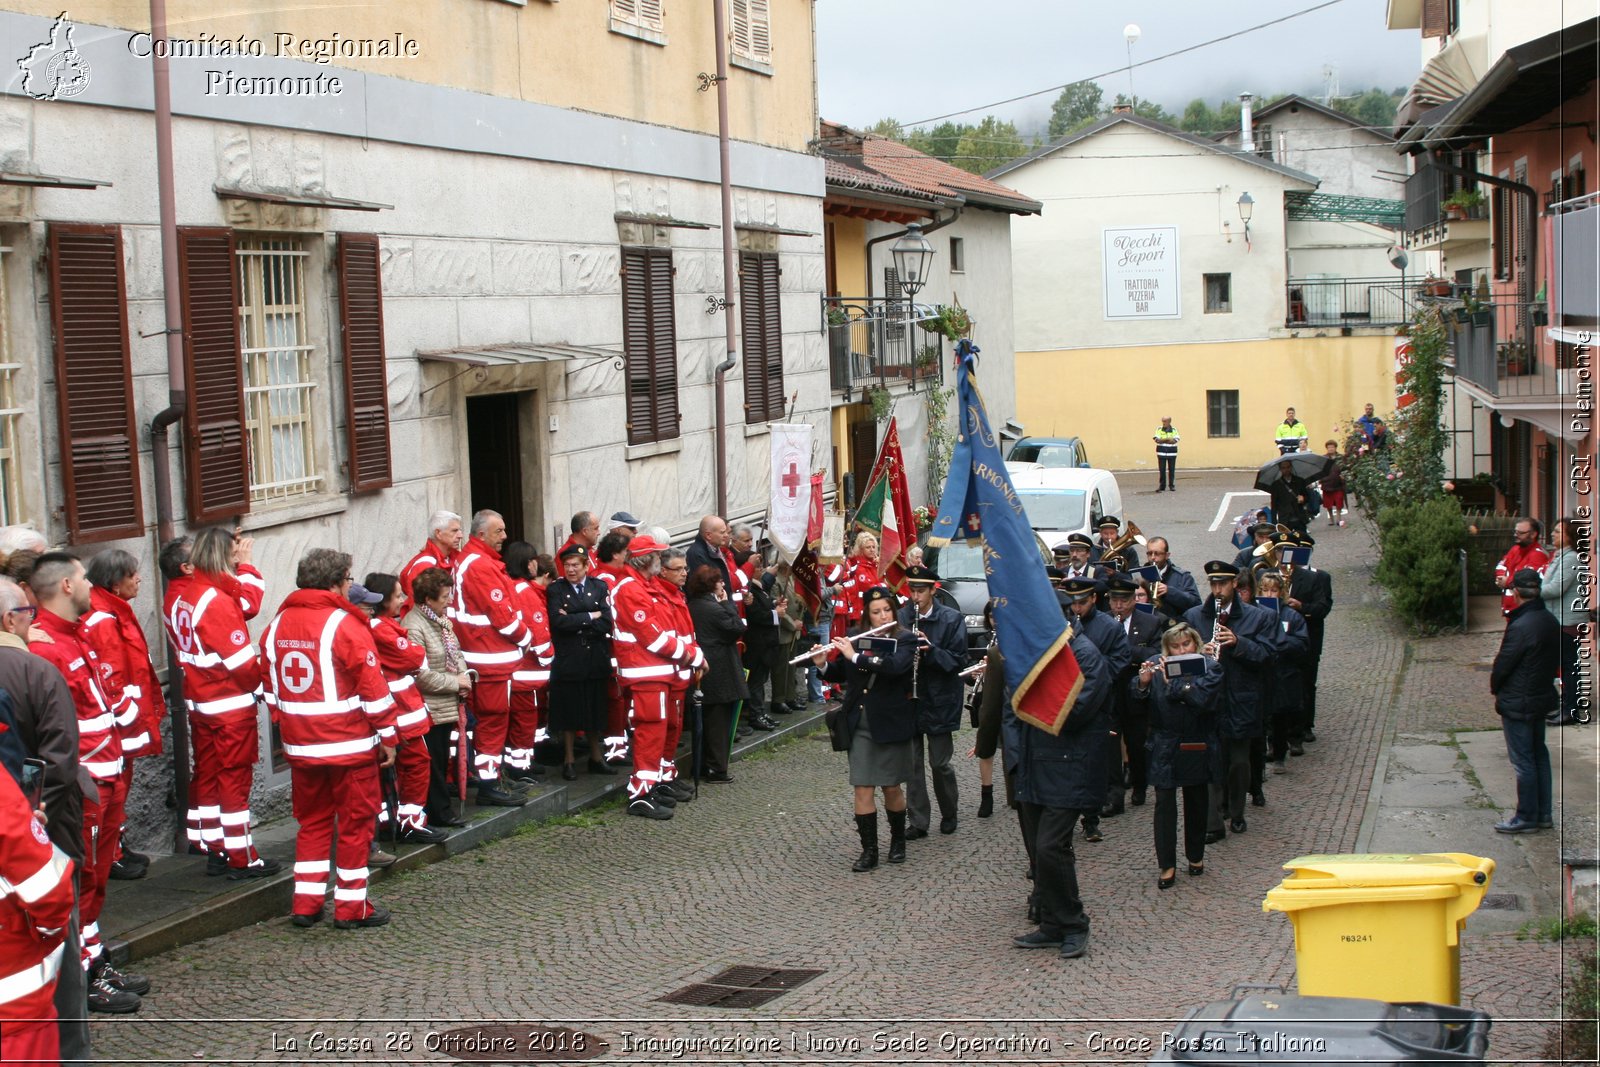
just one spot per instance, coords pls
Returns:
(1111, 554)
(975, 670)
(876, 630)
(1263, 558)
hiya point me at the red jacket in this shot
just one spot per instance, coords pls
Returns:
(35, 907)
(676, 609)
(1514, 560)
(643, 639)
(399, 660)
(535, 670)
(97, 727)
(205, 616)
(863, 576)
(323, 685)
(494, 639)
(114, 633)
(430, 555)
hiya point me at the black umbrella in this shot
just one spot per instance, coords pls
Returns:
(697, 737)
(1307, 466)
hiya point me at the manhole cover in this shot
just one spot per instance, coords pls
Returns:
(516, 1043)
(1500, 902)
(703, 995)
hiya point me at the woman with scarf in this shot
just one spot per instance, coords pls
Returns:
(443, 682)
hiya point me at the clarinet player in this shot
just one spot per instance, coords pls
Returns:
(941, 641)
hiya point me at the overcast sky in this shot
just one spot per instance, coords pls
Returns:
(914, 59)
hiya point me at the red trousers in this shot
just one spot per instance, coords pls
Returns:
(616, 722)
(491, 702)
(526, 727)
(326, 796)
(669, 747)
(33, 1041)
(102, 826)
(412, 766)
(225, 756)
(648, 714)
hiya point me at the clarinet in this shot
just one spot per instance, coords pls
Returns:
(916, 645)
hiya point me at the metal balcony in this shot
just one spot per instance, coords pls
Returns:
(1321, 303)
(1495, 351)
(879, 342)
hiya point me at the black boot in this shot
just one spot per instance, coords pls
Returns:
(986, 805)
(867, 827)
(897, 836)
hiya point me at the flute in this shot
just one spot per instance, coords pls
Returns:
(865, 633)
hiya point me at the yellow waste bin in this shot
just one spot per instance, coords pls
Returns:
(1384, 927)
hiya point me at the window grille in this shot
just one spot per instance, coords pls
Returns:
(278, 384)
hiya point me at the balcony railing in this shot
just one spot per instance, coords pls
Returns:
(1338, 302)
(880, 343)
(1495, 350)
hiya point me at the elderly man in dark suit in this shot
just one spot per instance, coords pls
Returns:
(942, 643)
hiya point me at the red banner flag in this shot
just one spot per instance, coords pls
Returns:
(807, 575)
(893, 519)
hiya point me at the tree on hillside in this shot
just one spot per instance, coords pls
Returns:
(987, 145)
(889, 128)
(1203, 119)
(1078, 105)
(1374, 108)
(941, 142)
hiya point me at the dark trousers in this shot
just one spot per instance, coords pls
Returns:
(1258, 763)
(940, 749)
(1167, 469)
(1227, 796)
(1530, 762)
(439, 772)
(783, 675)
(717, 724)
(1194, 825)
(1055, 881)
(1135, 723)
(760, 673)
(1308, 695)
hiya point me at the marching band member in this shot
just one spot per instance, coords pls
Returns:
(941, 640)
(1112, 643)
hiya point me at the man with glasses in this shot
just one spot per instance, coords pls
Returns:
(1525, 552)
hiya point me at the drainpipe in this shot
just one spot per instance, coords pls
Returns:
(160, 76)
(1531, 195)
(720, 446)
(955, 213)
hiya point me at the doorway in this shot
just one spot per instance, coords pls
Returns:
(494, 457)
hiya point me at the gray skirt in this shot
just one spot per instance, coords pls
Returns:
(875, 763)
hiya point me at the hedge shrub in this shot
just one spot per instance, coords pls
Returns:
(1419, 562)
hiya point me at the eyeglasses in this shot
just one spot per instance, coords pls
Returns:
(29, 610)
(347, 578)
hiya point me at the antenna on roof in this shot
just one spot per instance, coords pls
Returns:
(1330, 84)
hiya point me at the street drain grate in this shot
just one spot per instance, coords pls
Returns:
(1500, 902)
(742, 987)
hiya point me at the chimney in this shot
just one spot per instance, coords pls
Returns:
(1122, 109)
(1247, 124)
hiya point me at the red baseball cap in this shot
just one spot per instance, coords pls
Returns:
(644, 543)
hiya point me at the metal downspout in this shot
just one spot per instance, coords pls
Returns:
(720, 444)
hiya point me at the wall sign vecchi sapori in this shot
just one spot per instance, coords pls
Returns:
(1141, 272)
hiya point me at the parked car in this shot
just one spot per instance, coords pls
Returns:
(1062, 501)
(1048, 452)
(960, 569)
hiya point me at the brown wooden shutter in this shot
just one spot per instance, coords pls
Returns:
(94, 384)
(1435, 18)
(216, 447)
(649, 335)
(762, 327)
(366, 376)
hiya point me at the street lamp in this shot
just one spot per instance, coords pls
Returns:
(912, 256)
(1247, 207)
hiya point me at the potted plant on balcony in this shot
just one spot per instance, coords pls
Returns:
(838, 335)
(1541, 307)
(1463, 204)
(1436, 286)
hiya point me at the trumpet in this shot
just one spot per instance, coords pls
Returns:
(865, 633)
(1111, 554)
(974, 671)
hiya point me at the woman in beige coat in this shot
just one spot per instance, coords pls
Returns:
(443, 683)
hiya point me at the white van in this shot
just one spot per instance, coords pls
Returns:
(1066, 500)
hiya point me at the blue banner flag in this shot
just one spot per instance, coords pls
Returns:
(979, 504)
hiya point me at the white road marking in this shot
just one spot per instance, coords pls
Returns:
(1224, 509)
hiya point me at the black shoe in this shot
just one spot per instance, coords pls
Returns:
(662, 797)
(569, 772)
(448, 820)
(1074, 944)
(1296, 748)
(422, 835)
(915, 833)
(719, 777)
(1311, 735)
(375, 916)
(216, 864)
(1137, 800)
(261, 868)
(1213, 836)
(1092, 833)
(525, 777)
(124, 871)
(1111, 811)
(986, 805)
(1258, 799)
(645, 808)
(138, 859)
(780, 709)
(104, 997)
(796, 705)
(492, 796)
(897, 836)
(121, 981)
(1167, 881)
(947, 825)
(304, 921)
(1196, 870)
(678, 790)
(866, 861)
(601, 768)
(1238, 826)
(762, 723)
(1037, 939)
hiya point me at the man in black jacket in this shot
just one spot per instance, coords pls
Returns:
(1311, 594)
(1523, 681)
(942, 640)
(579, 609)
(1112, 641)
(1143, 631)
(706, 550)
(1174, 590)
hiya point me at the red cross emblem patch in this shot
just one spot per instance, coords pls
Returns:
(497, 595)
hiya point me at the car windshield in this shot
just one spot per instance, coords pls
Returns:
(1053, 509)
(961, 561)
(1044, 454)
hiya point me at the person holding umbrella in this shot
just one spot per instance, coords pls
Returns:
(1287, 480)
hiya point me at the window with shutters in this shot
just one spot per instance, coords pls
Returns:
(894, 311)
(762, 330)
(650, 345)
(1439, 18)
(99, 449)
(1500, 229)
(366, 370)
(752, 34)
(10, 475)
(1222, 413)
(639, 18)
(277, 354)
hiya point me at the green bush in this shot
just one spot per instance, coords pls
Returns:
(1419, 562)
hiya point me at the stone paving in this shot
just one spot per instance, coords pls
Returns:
(587, 922)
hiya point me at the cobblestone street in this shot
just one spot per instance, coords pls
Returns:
(588, 922)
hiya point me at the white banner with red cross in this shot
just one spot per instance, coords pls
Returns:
(790, 508)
